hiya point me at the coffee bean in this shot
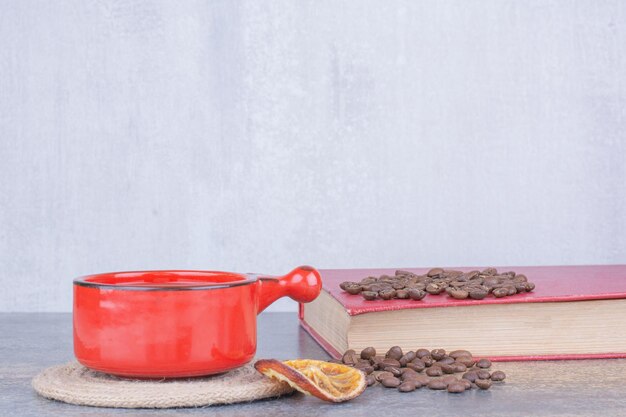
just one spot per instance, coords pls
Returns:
(521, 278)
(437, 384)
(368, 353)
(483, 363)
(390, 382)
(408, 373)
(449, 379)
(365, 367)
(434, 371)
(370, 380)
(490, 271)
(394, 371)
(530, 286)
(346, 284)
(459, 294)
(483, 383)
(468, 361)
(435, 271)
(390, 362)
(387, 294)
(447, 369)
(402, 272)
(458, 353)
(498, 376)
(434, 289)
(407, 386)
(415, 294)
(422, 380)
(478, 294)
(416, 365)
(456, 387)
(407, 357)
(512, 290)
(471, 376)
(428, 361)
(438, 354)
(466, 383)
(459, 367)
(500, 292)
(354, 289)
(483, 374)
(350, 357)
(369, 295)
(520, 287)
(446, 360)
(376, 361)
(402, 294)
(422, 352)
(394, 352)
(384, 374)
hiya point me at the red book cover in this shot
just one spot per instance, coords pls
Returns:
(553, 284)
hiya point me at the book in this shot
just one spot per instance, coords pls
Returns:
(575, 312)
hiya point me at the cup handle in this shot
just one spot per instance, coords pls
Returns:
(303, 285)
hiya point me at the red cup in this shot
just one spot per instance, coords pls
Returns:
(171, 324)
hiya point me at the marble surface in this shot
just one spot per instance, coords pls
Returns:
(32, 341)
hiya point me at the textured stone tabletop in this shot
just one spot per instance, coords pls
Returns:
(30, 342)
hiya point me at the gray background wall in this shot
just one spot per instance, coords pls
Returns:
(256, 136)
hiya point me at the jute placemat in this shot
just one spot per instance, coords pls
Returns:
(73, 383)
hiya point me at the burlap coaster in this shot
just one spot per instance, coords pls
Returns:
(73, 383)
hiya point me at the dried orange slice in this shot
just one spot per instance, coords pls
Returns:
(328, 381)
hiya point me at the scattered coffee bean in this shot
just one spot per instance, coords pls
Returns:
(468, 361)
(447, 369)
(369, 295)
(390, 362)
(416, 365)
(437, 384)
(449, 379)
(420, 353)
(483, 374)
(402, 371)
(471, 376)
(478, 294)
(407, 386)
(456, 387)
(483, 363)
(446, 360)
(458, 353)
(415, 294)
(435, 271)
(350, 357)
(498, 376)
(395, 352)
(394, 371)
(391, 382)
(387, 294)
(402, 294)
(459, 367)
(382, 375)
(428, 361)
(457, 284)
(483, 383)
(406, 358)
(500, 292)
(459, 294)
(438, 354)
(368, 353)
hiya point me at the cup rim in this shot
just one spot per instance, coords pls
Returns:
(246, 279)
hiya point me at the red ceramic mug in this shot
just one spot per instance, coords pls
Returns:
(170, 324)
